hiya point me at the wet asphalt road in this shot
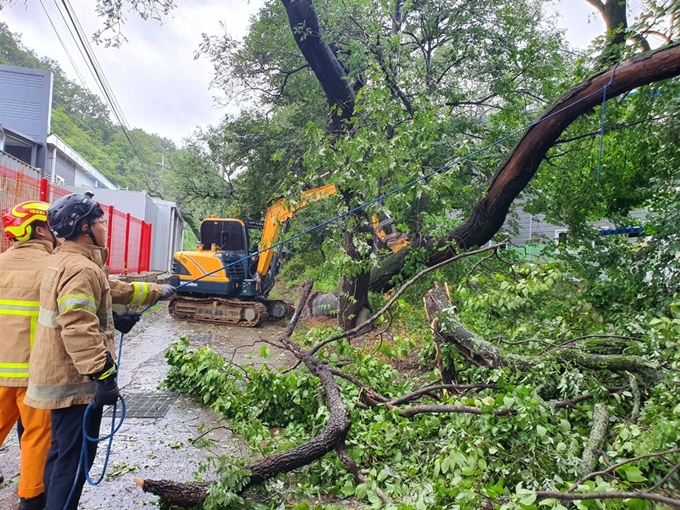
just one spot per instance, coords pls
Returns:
(157, 448)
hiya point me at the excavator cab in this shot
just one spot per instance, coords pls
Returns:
(226, 234)
(223, 251)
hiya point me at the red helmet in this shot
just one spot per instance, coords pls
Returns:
(18, 219)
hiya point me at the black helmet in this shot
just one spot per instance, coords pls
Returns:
(66, 212)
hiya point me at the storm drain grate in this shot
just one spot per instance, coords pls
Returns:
(202, 338)
(145, 405)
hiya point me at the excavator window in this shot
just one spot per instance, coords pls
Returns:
(228, 235)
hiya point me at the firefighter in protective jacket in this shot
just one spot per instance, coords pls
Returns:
(25, 225)
(73, 357)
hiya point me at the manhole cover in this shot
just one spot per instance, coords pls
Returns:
(145, 405)
(202, 338)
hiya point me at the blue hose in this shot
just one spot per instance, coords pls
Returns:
(84, 460)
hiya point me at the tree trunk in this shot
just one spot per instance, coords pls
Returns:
(306, 29)
(354, 288)
(614, 15)
(340, 96)
(521, 165)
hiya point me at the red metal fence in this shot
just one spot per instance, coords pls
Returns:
(129, 238)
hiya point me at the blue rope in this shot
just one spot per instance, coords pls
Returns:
(604, 107)
(83, 463)
(442, 169)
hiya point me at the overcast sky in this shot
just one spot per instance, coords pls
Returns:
(154, 76)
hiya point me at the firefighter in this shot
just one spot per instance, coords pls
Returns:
(73, 358)
(20, 274)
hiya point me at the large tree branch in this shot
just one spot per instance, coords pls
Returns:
(333, 436)
(483, 353)
(520, 167)
(523, 162)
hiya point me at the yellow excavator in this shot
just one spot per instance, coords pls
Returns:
(235, 292)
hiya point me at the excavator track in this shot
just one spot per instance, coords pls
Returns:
(236, 312)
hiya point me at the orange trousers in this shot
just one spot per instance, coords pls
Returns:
(35, 441)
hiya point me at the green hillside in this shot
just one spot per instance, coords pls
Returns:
(83, 121)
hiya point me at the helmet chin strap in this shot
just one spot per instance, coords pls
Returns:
(91, 234)
(54, 239)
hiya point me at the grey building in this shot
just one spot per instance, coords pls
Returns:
(521, 227)
(26, 146)
(25, 108)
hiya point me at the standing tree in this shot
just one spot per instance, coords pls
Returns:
(408, 87)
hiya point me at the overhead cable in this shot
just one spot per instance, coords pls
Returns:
(98, 74)
(61, 41)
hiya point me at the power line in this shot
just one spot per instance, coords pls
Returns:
(61, 41)
(78, 46)
(98, 74)
(99, 68)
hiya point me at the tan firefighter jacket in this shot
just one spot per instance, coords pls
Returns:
(75, 325)
(20, 275)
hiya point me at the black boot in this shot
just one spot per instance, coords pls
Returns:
(36, 503)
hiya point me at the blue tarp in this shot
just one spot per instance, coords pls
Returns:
(621, 231)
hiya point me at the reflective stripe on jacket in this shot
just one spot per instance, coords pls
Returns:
(135, 293)
(75, 326)
(21, 269)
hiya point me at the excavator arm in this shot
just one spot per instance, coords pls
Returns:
(278, 214)
(282, 210)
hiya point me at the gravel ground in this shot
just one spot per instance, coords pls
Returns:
(157, 448)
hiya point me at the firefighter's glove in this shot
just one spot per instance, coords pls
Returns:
(167, 291)
(125, 321)
(107, 387)
(107, 392)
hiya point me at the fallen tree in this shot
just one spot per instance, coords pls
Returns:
(476, 351)
(521, 165)
(480, 352)
(192, 494)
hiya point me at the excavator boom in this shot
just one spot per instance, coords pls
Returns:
(279, 213)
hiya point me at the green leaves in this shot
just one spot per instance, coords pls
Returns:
(631, 473)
